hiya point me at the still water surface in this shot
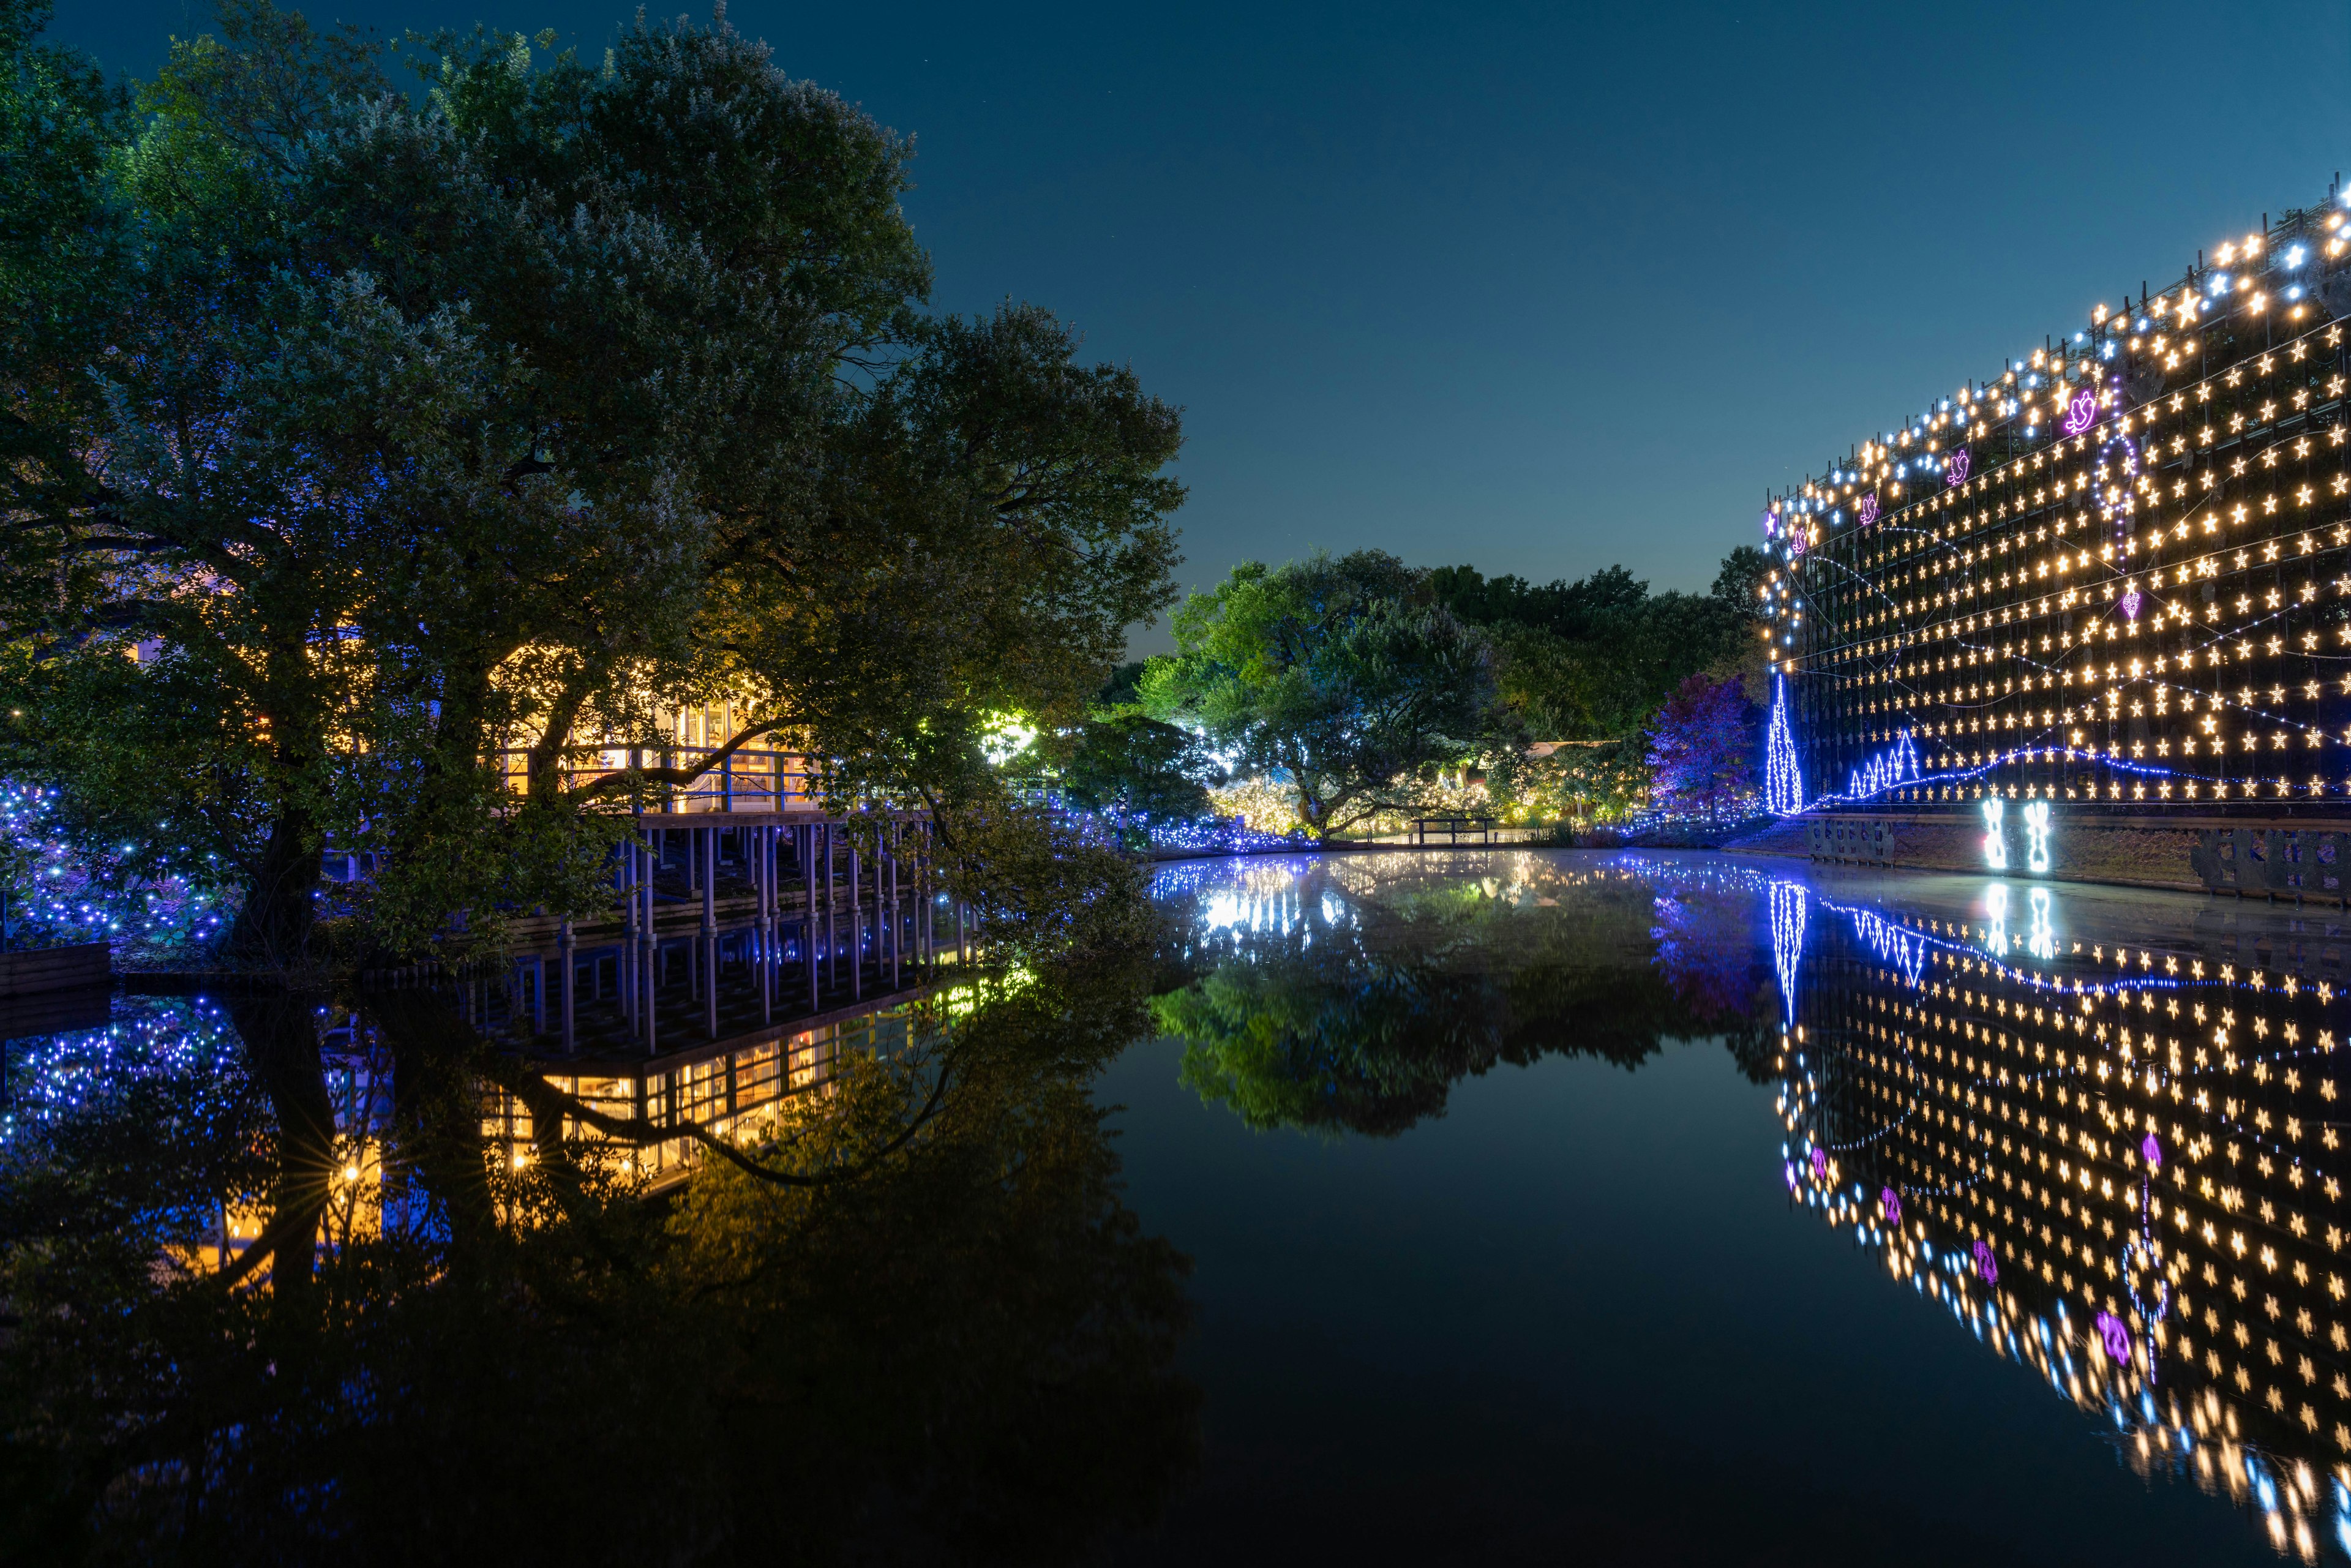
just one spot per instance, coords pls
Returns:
(1489, 1206)
(1486, 1163)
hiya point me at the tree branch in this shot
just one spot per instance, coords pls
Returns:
(619, 783)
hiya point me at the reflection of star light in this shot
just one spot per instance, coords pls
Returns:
(1996, 909)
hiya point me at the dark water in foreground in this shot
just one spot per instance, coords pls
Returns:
(1481, 1206)
(1573, 1311)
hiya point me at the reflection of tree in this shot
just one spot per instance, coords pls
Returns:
(964, 1350)
(1359, 1013)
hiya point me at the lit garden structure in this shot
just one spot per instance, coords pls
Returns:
(741, 900)
(2110, 582)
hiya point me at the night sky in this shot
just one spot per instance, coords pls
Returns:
(1538, 288)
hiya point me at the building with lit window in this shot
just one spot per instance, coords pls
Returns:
(2112, 578)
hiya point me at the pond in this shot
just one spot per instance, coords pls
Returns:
(1467, 1206)
(1498, 1171)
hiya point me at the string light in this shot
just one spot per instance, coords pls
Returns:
(2162, 494)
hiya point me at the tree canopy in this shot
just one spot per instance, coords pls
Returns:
(1591, 660)
(389, 430)
(1336, 677)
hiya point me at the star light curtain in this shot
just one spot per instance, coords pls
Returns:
(2120, 570)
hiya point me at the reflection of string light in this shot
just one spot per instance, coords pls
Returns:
(1891, 942)
(2039, 940)
(2116, 1379)
(1788, 916)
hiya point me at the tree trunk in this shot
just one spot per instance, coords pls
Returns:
(546, 760)
(273, 929)
(437, 1108)
(281, 1043)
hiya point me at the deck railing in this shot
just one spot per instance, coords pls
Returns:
(748, 780)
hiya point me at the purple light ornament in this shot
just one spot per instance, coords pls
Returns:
(2117, 1335)
(1868, 511)
(1955, 473)
(2130, 604)
(1986, 1266)
(2153, 1150)
(1891, 1202)
(1820, 1165)
(2082, 412)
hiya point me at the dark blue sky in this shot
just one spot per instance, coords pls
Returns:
(1537, 288)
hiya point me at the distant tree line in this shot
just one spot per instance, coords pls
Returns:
(1361, 688)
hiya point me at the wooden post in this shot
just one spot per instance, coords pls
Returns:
(708, 848)
(807, 914)
(566, 947)
(897, 911)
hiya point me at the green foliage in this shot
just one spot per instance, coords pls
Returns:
(1592, 660)
(393, 432)
(1573, 781)
(1127, 768)
(928, 1330)
(1363, 1023)
(1124, 687)
(1335, 677)
(1042, 890)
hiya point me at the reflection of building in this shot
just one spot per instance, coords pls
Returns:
(2114, 571)
(2121, 1165)
(736, 1090)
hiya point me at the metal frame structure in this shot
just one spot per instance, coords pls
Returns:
(2119, 572)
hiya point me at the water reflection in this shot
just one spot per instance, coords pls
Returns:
(288, 1279)
(2102, 1130)
(2111, 1147)
(291, 1278)
(1351, 994)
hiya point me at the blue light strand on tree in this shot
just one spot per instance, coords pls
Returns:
(64, 894)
